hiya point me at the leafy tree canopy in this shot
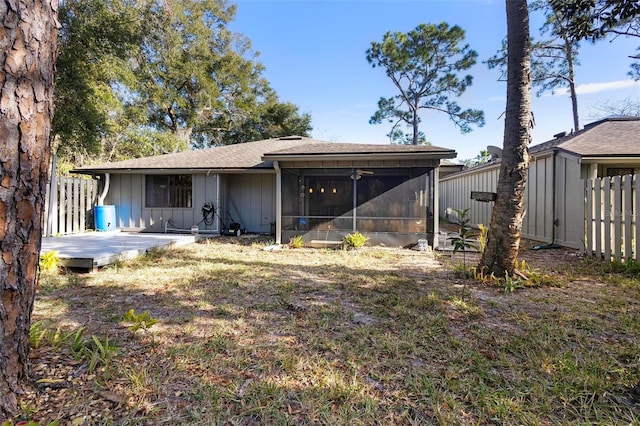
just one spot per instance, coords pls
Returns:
(152, 76)
(424, 65)
(95, 39)
(271, 119)
(593, 19)
(596, 19)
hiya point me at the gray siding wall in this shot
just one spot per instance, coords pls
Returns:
(455, 192)
(126, 192)
(250, 200)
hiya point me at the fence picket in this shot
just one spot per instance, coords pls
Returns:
(627, 208)
(634, 215)
(617, 212)
(589, 221)
(69, 206)
(71, 202)
(612, 229)
(606, 183)
(599, 210)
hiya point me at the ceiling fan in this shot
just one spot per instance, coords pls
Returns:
(357, 173)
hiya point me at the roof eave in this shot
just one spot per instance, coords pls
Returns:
(362, 155)
(615, 157)
(165, 170)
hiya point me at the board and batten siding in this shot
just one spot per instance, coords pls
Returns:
(455, 193)
(127, 193)
(538, 222)
(250, 200)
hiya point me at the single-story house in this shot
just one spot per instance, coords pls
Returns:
(286, 186)
(555, 195)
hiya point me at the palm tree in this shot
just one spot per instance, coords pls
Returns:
(503, 239)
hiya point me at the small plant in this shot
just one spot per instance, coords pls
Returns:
(355, 240)
(482, 238)
(482, 276)
(49, 261)
(38, 334)
(77, 344)
(511, 284)
(97, 352)
(296, 242)
(142, 321)
(462, 241)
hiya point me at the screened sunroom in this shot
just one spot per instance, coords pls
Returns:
(384, 191)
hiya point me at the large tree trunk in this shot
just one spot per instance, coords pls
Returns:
(26, 108)
(503, 239)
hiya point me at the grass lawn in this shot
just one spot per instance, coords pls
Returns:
(308, 336)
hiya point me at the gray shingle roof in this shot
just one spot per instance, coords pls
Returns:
(258, 155)
(241, 156)
(608, 137)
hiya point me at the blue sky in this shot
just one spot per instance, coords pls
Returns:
(314, 54)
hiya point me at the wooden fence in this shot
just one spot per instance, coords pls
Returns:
(69, 209)
(612, 231)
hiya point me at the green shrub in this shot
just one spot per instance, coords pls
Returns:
(355, 240)
(49, 261)
(296, 241)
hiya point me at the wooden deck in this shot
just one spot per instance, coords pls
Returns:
(91, 250)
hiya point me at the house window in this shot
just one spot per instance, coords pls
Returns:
(168, 191)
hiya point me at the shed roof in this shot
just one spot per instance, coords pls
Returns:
(609, 137)
(260, 155)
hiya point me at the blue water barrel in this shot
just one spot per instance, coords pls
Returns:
(105, 218)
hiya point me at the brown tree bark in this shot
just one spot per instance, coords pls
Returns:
(27, 61)
(503, 239)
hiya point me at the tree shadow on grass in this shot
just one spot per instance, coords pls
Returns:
(250, 337)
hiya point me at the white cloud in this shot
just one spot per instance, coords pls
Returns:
(584, 89)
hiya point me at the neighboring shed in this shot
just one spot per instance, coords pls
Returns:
(291, 186)
(554, 195)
